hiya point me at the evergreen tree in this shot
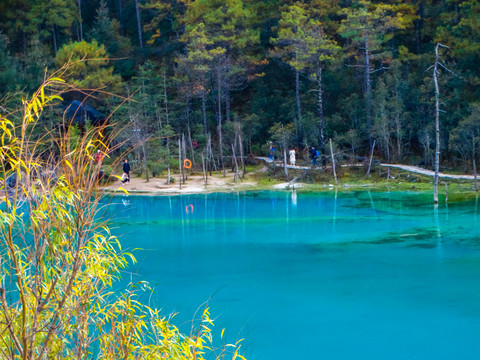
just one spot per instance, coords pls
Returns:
(305, 47)
(88, 66)
(368, 26)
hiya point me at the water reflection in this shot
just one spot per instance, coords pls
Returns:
(291, 216)
(369, 267)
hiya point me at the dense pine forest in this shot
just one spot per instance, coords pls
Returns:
(236, 75)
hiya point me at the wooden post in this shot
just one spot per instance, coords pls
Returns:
(180, 177)
(475, 175)
(184, 156)
(333, 163)
(204, 170)
(371, 159)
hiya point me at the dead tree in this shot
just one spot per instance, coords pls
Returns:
(371, 159)
(438, 63)
(236, 174)
(333, 162)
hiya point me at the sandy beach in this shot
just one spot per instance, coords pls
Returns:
(194, 184)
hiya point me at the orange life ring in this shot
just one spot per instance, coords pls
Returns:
(189, 209)
(187, 164)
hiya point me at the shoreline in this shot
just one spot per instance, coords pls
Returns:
(457, 191)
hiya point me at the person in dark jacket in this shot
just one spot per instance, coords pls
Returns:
(313, 156)
(126, 169)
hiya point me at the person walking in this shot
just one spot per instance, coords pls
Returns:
(313, 156)
(271, 154)
(291, 153)
(126, 170)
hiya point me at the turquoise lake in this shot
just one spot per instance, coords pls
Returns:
(333, 276)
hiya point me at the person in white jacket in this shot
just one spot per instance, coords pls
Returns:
(291, 153)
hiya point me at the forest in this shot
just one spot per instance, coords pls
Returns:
(223, 77)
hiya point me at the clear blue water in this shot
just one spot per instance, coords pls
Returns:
(314, 276)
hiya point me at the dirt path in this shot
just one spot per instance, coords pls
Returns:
(410, 168)
(419, 170)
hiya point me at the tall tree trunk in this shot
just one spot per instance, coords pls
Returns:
(371, 159)
(399, 136)
(190, 144)
(285, 168)
(24, 41)
(234, 156)
(204, 112)
(184, 156)
(145, 165)
(80, 21)
(437, 127)
(210, 158)
(227, 101)
(299, 107)
(165, 97)
(120, 17)
(398, 126)
(55, 47)
(242, 154)
(219, 127)
(168, 163)
(180, 167)
(139, 25)
(368, 88)
(321, 118)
